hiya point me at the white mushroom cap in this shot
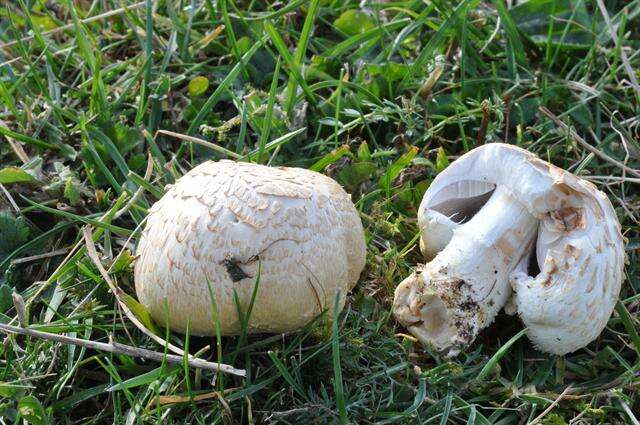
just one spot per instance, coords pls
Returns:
(220, 220)
(579, 252)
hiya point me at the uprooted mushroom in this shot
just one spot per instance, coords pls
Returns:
(503, 228)
(231, 226)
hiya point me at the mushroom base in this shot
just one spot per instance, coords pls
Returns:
(441, 313)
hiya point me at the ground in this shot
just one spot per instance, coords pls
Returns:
(105, 99)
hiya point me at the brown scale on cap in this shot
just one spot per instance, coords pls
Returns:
(569, 219)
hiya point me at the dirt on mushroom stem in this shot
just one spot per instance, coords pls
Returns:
(449, 300)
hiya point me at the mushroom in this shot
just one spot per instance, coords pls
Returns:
(484, 219)
(293, 232)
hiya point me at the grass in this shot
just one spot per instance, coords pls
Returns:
(381, 98)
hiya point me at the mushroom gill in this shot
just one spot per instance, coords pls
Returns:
(446, 210)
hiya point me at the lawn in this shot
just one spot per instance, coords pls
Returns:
(105, 103)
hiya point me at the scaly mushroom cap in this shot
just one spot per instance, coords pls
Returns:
(493, 200)
(220, 220)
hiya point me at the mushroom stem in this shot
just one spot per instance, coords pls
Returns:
(449, 300)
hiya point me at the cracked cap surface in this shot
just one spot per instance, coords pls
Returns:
(223, 220)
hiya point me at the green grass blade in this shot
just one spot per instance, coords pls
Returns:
(338, 385)
(437, 40)
(224, 84)
(266, 127)
(300, 52)
(493, 361)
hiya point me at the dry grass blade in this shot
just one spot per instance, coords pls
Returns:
(579, 140)
(12, 201)
(71, 26)
(173, 399)
(406, 336)
(30, 258)
(93, 255)
(139, 191)
(629, 412)
(46, 284)
(623, 55)
(211, 36)
(114, 347)
(16, 147)
(21, 310)
(201, 142)
(552, 406)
